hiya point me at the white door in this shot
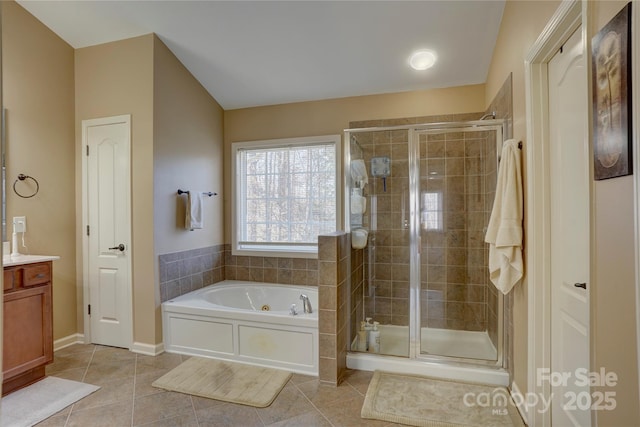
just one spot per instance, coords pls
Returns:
(570, 231)
(108, 229)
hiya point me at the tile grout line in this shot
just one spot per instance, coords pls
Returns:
(353, 387)
(133, 398)
(255, 411)
(312, 404)
(93, 352)
(193, 405)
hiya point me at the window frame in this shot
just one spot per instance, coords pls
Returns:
(439, 211)
(292, 250)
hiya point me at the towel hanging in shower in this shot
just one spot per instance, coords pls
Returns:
(504, 233)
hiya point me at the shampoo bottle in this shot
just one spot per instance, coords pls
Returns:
(374, 339)
(362, 337)
(368, 326)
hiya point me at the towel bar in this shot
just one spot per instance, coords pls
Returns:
(208, 193)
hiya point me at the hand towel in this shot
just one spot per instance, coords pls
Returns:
(193, 212)
(504, 233)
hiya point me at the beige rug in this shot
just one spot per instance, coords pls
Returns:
(428, 402)
(227, 381)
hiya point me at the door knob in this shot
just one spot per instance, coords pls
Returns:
(580, 285)
(120, 247)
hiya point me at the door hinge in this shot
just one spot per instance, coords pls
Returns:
(89, 310)
(88, 230)
(87, 150)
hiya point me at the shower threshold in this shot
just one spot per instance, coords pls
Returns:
(394, 341)
(394, 352)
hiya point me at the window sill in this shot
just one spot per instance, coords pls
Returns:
(311, 253)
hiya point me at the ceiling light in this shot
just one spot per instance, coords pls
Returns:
(422, 59)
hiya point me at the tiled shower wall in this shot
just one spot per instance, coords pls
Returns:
(453, 263)
(387, 296)
(357, 290)
(455, 293)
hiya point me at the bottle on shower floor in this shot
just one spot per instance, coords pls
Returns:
(362, 337)
(374, 339)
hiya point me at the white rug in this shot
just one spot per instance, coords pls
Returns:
(39, 401)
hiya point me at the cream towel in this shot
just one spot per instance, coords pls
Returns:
(504, 233)
(193, 212)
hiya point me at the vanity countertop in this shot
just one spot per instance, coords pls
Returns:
(8, 260)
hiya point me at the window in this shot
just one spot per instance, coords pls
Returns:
(431, 215)
(285, 195)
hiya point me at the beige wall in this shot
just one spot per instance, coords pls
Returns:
(187, 154)
(613, 291)
(522, 23)
(39, 96)
(333, 116)
(113, 79)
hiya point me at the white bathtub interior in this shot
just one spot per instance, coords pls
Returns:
(198, 324)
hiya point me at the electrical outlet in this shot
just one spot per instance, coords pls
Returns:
(20, 224)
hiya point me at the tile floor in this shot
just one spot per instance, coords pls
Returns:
(126, 397)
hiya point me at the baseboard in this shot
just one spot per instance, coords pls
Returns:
(147, 349)
(520, 403)
(67, 341)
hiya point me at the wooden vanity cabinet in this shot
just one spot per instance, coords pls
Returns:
(28, 324)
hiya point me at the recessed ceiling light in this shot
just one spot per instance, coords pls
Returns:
(422, 59)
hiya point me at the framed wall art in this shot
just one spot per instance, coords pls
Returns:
(611, 66)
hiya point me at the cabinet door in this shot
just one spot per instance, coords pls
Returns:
(28, 340)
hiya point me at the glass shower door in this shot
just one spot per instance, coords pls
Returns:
(458, 306)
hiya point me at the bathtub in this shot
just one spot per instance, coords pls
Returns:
(247, 322)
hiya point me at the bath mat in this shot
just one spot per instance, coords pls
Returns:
(429, 402)
(39, 401)
(226, 381)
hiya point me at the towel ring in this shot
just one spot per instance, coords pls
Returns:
(23, 177)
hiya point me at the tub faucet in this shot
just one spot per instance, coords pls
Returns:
(306, 304)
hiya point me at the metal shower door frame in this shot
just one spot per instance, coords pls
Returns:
(415, 324)
(414, 131)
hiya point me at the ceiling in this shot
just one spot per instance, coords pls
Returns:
(252, 53)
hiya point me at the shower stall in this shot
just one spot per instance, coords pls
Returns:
(424, 199)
